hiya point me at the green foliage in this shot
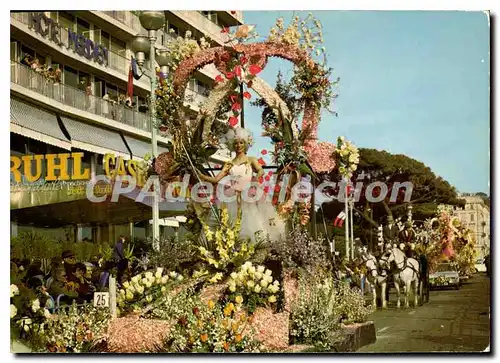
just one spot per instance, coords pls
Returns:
(34, 246)
(314, 319)
(210, 328)
(174, 254)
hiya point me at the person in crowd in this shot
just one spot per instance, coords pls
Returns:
(59, 286)
(487, 262)
(27, 60)
(69, 262)
(34, 276)
(88, 95)
(104, 277)
(85, 289)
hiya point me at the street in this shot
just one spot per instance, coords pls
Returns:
(452, 321)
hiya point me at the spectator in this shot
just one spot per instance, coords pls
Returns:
(26, 60)
(118, 250)
(104, 278)
(69, 262)
(59, 285)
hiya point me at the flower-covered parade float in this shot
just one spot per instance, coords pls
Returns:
(250, 277)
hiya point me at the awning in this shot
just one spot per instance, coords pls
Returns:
(95, 139)
(36, 123)
(140, 148)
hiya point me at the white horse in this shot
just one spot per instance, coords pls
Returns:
(373, 277)
(406, 271)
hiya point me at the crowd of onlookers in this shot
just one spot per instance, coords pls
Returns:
(52, 74)
(68, 279)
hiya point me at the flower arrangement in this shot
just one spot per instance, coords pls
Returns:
(253, 285)
(75, 329)
(224, 245)
(145, 288)
(348, 157)
(212, 328)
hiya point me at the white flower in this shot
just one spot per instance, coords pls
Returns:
(250, 284)
(163, 289)
(269, 272)
(47, 314)
(149, 275)
(35, 305)
(148, 284)
(13, 310)
(272, 299)
(140, 289)
(257, 289)
(159, 272)
(232, 288)
(149, 298)
(261, 269)
(234, 275)
(180, 277)
(173, 274)
(258, 275)
(136, 278)
(164, 279)
(126, 284)
(14, 290)
(264, 283)
(129, 295)
(145, 281)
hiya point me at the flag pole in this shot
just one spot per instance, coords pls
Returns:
(347, 253)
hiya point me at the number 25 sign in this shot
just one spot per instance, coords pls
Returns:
(101, 299)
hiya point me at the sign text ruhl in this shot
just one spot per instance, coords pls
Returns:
(47, 27)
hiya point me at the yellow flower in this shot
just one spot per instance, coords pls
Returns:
(239, 299)
(272, 299)
(210, 304)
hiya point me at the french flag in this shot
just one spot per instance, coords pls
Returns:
(339, 221)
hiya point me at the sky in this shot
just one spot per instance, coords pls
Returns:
(411, 82)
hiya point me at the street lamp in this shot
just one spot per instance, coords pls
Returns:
(151, 21)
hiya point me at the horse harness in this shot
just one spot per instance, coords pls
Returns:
(405, 265)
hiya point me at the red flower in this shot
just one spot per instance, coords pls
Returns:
(254, 69)
(261, 180)
(266, 189)
(233, 98)
(247, 95)
(237, 71)
(277, 188)
(264, 152)
(236, 106)
(229, 75)
(270, 173)
(261, 161)
(243, 60)
(219, 79)
(225, 30)
(233, 121)
(267, 178)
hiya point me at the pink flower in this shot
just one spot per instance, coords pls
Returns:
(219, 79)
(254, 69)
(264, 152)
(233, 121)
(247, 95)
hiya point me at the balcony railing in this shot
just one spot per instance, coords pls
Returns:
(116, 61)
(70, 96)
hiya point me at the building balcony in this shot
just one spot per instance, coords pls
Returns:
(196, 20)
(32, 85)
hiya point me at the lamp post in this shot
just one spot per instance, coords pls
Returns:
(141, 45)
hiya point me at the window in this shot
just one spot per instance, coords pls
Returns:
(117, 46)
(211, 15)
(70, 76)
(472, 217)
(104, 39)
(67, 21)
(192, 85)
(83, 28)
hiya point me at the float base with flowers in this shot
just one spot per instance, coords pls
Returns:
(223, 292)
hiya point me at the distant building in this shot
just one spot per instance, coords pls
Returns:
(476, 216)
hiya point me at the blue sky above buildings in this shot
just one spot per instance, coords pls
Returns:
(411, 82)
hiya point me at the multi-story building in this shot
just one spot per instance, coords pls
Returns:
(69, 73)
(476, 216)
